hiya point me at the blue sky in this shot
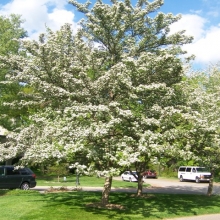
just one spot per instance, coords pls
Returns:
(200, 18)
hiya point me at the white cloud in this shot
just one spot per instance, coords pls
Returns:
(59, 17)
(40, 13)
(192, 24)
(206, 42)
(207, 47)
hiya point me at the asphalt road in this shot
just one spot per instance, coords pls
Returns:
(176, 187)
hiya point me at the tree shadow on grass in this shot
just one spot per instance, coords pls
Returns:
(154, 206)
(158, 206)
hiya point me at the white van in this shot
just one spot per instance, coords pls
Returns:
(195, 173)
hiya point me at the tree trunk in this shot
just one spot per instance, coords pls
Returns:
(140, 185)
(210, 187)
(106, 190)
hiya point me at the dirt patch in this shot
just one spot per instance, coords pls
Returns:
(145, 195)
(107, 206)
(62, 189)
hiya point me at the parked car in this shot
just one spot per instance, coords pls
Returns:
(129, 176)
(11, 178)
(150, 174)
(195, 173)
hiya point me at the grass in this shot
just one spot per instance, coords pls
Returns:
(91, 181)
(25, 205)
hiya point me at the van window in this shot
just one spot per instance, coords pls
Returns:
(24, 172)
(12, 172)
(182, 169)
(188, 169)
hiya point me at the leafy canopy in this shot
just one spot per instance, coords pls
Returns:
(10, 34)
(104, 94)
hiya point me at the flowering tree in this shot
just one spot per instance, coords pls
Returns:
(108, 93)
(139, 68)
(203, 90)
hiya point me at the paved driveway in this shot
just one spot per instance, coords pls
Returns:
(177, 187)
(174, 186)
(200, 217)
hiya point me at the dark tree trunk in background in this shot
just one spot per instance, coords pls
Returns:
(210, 187)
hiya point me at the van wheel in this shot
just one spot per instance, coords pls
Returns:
(197, 180)
(181, 179)
(25, 186)
(130, 179)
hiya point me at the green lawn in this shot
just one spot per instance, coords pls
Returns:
(84, 181)
(26, 205)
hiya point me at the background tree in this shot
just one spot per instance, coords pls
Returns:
(203, 90)
(10, 33)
